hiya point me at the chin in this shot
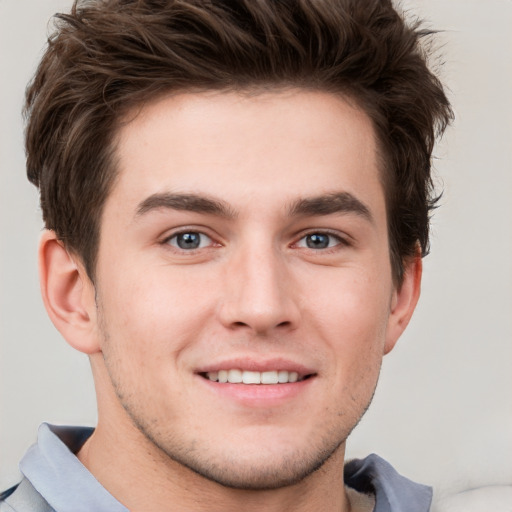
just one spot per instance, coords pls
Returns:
(263, 466)
(256, 474)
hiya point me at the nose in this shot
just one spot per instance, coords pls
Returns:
(259, 293)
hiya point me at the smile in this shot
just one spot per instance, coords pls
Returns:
(236, 376)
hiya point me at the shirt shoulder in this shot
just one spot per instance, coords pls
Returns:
(23, 498)
(392, 491)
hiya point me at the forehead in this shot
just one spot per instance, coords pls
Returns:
(269, 147)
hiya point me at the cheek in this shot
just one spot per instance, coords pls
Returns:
(352, 321)
(153, 313)
(355, 310)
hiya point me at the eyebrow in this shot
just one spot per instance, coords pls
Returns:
(328, 204)
(341, 202)
(185, 202)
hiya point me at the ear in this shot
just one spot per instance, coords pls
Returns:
(68, 294)
(404, 300)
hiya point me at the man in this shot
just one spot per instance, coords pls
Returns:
(236, 197)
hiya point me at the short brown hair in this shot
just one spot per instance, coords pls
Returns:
(108, 56)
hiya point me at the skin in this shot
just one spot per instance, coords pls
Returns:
(261, 174)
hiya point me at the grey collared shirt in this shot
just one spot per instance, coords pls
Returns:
(56, 481)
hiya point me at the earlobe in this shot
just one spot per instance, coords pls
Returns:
(404, 301)
(68, 294)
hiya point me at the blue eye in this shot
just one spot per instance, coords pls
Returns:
(319, 241)
(189, 240)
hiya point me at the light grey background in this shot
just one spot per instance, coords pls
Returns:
(443, 412)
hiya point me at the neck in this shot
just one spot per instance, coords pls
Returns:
(141, 477)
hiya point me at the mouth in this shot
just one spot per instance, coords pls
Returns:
(250, 377)
(253, 383)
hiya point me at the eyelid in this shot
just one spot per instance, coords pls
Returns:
(165, 240)
(342, 238)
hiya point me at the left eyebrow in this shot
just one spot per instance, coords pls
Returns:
(341, 202)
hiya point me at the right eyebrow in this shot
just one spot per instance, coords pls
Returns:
(185, 202)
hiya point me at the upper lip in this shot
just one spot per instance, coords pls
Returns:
(257, 365)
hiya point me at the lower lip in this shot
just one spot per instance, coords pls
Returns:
(258, 395)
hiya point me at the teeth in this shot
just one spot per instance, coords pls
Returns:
(251, 377)
(282, 376)
(236, 376)
(269, 378)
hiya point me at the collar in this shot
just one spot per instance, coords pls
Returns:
(64, 482)
(393, 492)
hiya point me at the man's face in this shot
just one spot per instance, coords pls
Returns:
(245, 238)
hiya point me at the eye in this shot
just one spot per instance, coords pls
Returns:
(319, 241)
(189, 240)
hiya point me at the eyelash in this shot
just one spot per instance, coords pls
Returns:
(167, 240)
(340, 241)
